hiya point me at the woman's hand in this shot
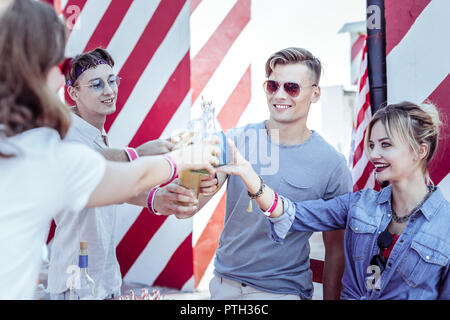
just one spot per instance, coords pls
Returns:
(198, 156)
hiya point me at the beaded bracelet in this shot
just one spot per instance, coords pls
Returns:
(256, 195)
(260, 191)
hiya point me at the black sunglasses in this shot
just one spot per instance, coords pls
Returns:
(384, 241)
(291, 88)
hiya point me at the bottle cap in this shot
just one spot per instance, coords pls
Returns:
(83, 245)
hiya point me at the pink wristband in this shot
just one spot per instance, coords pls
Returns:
(273, 206)
(151, 199)
(174, 173)
(131, 153)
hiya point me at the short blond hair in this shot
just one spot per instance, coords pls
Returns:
(410, 123)
(295, 55)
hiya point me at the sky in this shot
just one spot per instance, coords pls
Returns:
(311, 24)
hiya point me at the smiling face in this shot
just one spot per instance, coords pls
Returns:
(88, 95)
(285, 109)
(393, 160)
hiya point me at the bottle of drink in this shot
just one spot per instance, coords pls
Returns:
(85, 288)
(203, 128)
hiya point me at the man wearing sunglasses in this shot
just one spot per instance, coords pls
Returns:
(93, 86)
(248, 265)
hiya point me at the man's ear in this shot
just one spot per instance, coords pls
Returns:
(316, 94)
(73, 93)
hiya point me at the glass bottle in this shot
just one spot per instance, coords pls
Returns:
(202, 128)
(85, 289)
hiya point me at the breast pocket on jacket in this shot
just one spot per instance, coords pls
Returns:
(362, 237)
(424, 260)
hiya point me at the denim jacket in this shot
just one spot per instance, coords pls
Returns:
(418, 266)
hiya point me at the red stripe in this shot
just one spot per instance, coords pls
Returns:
(150, 40)
(211, 55)
(206, 246)
(194, 5)
(361, 183)
(79, 3)
(357, 46)
(71, 15)
(363, 80)
(362, 111)
(137, 238)
(165, 105)
(108, 25)
(400, 16)
(440, 165)
(180, 267)
(359, 150)
(231, 112)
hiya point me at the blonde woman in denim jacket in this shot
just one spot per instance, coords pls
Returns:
(397, 240)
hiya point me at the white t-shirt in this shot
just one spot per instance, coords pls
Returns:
(95, 225)
(48, 176)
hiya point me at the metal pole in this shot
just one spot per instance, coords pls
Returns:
(376, 51)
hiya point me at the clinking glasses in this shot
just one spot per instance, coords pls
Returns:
(291, 88)
(99, 84)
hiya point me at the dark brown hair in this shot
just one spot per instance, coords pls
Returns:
(85, 61)
(32, 41)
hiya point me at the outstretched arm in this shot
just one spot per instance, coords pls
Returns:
(122, 181)
(150, 148)
(285, 215)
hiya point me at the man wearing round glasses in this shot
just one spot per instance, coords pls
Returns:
(248, 265)
(93, 86)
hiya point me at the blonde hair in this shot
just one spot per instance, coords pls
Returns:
(295, 55)
(412, 124)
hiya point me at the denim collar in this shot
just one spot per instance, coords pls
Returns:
(385, 195)
(428, 209)
(433, 204)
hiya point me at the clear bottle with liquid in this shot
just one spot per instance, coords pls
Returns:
(202, 128)
(84, 287)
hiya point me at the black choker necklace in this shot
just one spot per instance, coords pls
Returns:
(403, 219)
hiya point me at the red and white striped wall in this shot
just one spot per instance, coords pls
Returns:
(169, 54)
(418, 66)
